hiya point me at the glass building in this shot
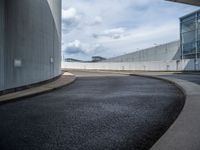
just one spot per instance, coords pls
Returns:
(190, 35)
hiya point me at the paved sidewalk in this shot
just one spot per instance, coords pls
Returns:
(65, 79)
(184, 132)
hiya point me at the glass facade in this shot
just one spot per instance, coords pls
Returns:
(190, 35)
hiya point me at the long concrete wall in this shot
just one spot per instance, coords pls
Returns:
(164, 52)
(166, 57)
(173, 65)
(32, 51)
(1, 43)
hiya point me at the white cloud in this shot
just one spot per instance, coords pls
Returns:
(70, 13)
(71, 19)
(142, 37)
(118, 26)
(97, 20)
(114, 33)
(77, 47)
(74, 47)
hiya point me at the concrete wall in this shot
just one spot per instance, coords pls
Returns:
(164, 52)
(166, 57)
(173, 65)
(1, 44)
(32, 38)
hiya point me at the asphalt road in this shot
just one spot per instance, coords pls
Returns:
(106, 112)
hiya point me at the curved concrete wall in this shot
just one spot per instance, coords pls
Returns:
(30, 49)
(1, 44)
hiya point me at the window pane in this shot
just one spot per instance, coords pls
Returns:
(187, 18)
(189, 48)
(188, 37)
(198, 21)
(198, 35)
(198, 46)
(188, 26)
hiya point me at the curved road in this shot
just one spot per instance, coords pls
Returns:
(104, 112)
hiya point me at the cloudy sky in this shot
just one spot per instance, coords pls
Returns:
(113, 27)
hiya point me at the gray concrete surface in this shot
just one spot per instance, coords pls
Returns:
(65, 79)
(164, 52)
(184, 133)
(2, 25)
(173, 65)
(90, 73)
(195, 78)
(30, 33)
(94, 113)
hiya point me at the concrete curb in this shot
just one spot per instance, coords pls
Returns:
(65, 79)
(148, 76)
(183, 134)
(163, 79)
